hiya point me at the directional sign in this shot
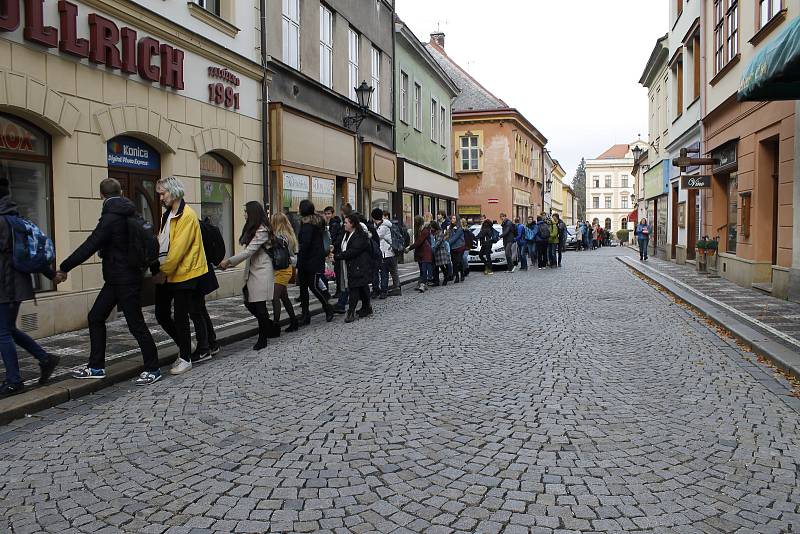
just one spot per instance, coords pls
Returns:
(696, 182)
(689, 162)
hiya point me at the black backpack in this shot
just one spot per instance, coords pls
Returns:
(544, 231)
(213, 243)
(142, 243)
(279, 253)
(399, 238)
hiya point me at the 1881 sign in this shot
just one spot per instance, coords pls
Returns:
(696, 182)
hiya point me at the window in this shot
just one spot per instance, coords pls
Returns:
(696, 65)
(677, 71)
(767, 10)
(624, 181)
(322, 191)
(404, 97)
(596, 180)
(679, 11)
(608, 223)
(733, 213)
(375, 103)
(352, 62)
(291, 33)
(25, 163)
(209, 5)
(726, 32)
(418, 107)
(442, 127)
(216, 196)
(325, 46)
(608, 181)
(623, 202)
(607, 202)
(596, 202)
(469, 153)
(434, 120)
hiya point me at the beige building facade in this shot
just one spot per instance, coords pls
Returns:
(92, 89)
(609, 186)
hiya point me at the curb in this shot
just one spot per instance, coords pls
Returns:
(40, 398)
(750, 332)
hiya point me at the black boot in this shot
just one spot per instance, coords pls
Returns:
(329, 315)
(273, 329)
(261, 343)
(293, 326)
(350, 317)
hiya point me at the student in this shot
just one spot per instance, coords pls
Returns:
(122, 285)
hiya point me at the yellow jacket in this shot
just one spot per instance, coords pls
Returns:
(186, 258)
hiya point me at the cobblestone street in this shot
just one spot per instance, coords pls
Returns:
(571, 400)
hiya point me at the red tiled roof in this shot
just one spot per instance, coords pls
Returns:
(615, 152)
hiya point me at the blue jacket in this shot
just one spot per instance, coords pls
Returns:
(456, 238)
(640, 228)
(520, 234)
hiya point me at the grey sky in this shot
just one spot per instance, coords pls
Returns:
(571, 67)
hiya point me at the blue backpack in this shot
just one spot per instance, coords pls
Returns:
(31, 250)
(530, 233)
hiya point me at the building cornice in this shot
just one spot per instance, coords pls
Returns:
(496, 115)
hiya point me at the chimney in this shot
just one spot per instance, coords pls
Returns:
(437, 39)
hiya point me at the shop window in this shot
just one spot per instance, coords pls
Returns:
(381, 200)
(733, 213)
(427, 206)
(296, 188)
(322, 192)
(408, 209)
(25, 163)
(216, 196)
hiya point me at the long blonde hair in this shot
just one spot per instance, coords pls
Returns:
(281, 226)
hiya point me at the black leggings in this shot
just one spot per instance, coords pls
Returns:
(308, 281)
(486, 255)
(358, 293)
(259, 311)
(280, 294)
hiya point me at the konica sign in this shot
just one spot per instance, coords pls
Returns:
(130, 153)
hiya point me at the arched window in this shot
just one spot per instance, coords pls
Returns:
(25, 163)
(608, 223)
(216, 195)
(624, 223)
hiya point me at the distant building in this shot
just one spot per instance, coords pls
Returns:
(609, 186)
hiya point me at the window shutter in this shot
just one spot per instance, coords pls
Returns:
(479, 134)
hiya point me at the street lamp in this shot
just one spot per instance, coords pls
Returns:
(637, 153)
(549, 184)
(633, 198)
(363, 96)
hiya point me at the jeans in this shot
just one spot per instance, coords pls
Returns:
(486, 255)
(509, 255)
(389, 268)
(465, 265)
(128, 298)
(527, 248)
(643, 244)
(10, 337)
(210, 334)
(458, 268)
(185, 301)
(425, 272)
(551, 253)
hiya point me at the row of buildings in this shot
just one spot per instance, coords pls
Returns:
(723, 88)
(247, 100)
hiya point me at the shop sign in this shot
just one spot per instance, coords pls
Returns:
(131, 153)
(696, 182)
(223, 93)
(116, 48)
(469, 210)
(725, 156)
(295, 182)
(16, 138)
(656, 180)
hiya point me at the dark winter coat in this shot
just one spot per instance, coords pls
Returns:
(422, 247)
(336, 231)
(358, 257)
(311, 254)
(508, 232)
(14, 286)
(110, 241)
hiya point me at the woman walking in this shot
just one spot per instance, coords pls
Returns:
(258, 273)
(643, 236)
(282, 229)
(423, 253)
(357, 262)
(486, 237)
(311, 261)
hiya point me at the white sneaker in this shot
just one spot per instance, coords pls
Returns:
(180, 366)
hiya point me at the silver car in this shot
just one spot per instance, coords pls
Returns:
(498, 250)
(571, 243)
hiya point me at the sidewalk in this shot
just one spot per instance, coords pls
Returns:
(232, 322)
(770, 326)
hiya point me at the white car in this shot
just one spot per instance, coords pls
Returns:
(498, 250)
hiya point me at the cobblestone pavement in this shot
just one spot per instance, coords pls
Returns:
(571, 400)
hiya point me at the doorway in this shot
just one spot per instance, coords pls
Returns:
(141, 190)
(137, 167)
(674, 225)
(775, 164)
(691, 223)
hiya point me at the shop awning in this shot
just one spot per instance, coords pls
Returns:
(774, 73)
(633, 216)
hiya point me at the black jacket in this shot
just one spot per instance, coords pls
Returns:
(14, 286)
(110, 240)
(336, 231)
(358, 257)
(508, 231)
(311, 254)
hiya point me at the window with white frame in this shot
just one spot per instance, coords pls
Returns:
(623, 201)
(291, 33)
(325, 46)
(442, 126)
(418, 106)
(375, 103)
(209, 5)
(353, 46)
(404, 97)
(608, 181)
(596, 202)
(596, 182)
(469, 153)
(434, 121)
(608, 201)
(624, 180)
(726, 32)
(768, 9)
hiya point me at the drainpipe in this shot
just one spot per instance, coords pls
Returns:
(794, 272)
(264, 110)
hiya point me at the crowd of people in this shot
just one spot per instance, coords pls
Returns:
(591, 236)
(359, 253)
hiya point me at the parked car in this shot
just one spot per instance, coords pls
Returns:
(498, 250)
(572, 239)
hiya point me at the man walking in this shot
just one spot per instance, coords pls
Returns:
(508, 233)
(182, 263)
(122, 285)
